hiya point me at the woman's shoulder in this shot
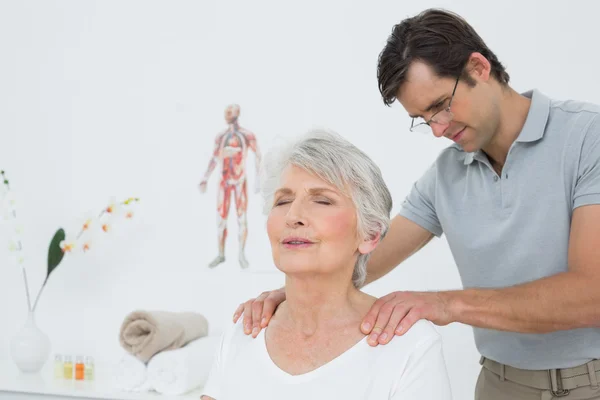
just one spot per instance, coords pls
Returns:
(419, 337)
(423, 329)
(234, 333)
(416, 363)
(234, 340)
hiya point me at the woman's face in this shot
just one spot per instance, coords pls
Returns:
(312, 226)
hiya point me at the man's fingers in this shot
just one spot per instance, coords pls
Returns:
(248, 317)
(388, 332)
(369, 320)
(257, 310)
(238, 312)
(385, 312)
(274, 299)
(407, 322)
(269, 307)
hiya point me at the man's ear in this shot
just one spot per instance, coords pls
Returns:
(479, 67)
(369, 244)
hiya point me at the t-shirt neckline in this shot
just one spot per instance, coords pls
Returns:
(310, 375)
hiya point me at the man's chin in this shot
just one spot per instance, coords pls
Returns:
(468, 147)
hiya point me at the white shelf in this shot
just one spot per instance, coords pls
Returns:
(43, 384)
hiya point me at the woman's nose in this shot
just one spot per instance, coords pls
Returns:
(294, 223)
(295, 216)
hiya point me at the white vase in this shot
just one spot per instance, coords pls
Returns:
(30, 348)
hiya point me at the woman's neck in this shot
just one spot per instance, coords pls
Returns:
(318, 303)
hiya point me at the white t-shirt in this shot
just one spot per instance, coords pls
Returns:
(409, 367)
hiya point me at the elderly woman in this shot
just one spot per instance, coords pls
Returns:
(328, 207)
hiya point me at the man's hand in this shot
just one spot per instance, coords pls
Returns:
(258, 312)
(397, 312)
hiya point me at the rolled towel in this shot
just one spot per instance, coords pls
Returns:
(130, 374)
(145, 333)
(180, 371)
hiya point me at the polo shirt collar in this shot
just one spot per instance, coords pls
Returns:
(537, 117)
(534, 127)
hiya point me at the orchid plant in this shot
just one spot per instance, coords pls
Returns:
(61, 243)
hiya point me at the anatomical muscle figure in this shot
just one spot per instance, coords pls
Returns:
(231, 150)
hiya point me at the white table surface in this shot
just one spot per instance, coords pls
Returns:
(43, 386)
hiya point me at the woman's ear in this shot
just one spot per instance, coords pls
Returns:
(369, 244)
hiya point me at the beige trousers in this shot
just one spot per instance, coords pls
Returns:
(502, 382)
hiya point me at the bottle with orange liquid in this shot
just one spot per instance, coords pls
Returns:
(79, 368)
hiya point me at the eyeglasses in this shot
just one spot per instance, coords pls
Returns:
(442, 117)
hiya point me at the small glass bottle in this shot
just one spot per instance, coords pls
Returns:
(89, 368)
(68, 368)
(58, 367)
(79, 368)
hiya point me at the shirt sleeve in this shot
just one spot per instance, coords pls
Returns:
(419, 205)
(425, 376)
(215, 380)
(587, 186)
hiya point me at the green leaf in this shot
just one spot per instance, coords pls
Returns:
(55, 253)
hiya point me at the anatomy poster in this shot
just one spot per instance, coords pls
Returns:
(231, 149)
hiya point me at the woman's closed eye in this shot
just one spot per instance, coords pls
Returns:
(281, 202)
(323, 201)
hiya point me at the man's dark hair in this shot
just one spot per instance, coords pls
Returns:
(439, 38)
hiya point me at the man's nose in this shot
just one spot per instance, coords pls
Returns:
(438, 129)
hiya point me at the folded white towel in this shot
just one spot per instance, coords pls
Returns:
(130, 374)
(175, 372)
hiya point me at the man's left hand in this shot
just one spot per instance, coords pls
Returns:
(397, 312)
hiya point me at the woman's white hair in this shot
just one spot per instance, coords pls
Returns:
(341, 164)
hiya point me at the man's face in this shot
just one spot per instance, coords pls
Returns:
(474, 117)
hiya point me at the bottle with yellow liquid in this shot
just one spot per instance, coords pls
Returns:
(58, 367)
(68, 368)
(89, 368)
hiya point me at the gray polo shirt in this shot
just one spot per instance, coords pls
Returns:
(511, 229)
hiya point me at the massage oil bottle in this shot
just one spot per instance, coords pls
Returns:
(68, 368)
(89, 368)
(79, 368)
(58, 367)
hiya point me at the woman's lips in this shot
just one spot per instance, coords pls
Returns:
(296, 243)
(293, 245)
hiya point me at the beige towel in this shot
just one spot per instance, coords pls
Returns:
(145, 333)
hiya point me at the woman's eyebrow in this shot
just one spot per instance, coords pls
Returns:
(312, 191)
(319, 190)
(284, 191)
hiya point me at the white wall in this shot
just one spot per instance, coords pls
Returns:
(120, 98)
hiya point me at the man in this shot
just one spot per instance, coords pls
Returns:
(231, 149)
(517, 196)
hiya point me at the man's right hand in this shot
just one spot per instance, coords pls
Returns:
(258, 312)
